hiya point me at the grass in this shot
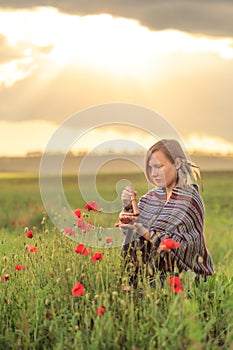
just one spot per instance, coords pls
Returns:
(38, 310)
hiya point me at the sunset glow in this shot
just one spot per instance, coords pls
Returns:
(97, 140)
(98, 41)
(54, 64)
(209, 145)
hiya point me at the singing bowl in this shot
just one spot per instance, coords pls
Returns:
(126, 218)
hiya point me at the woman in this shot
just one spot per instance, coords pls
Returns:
(174, 209)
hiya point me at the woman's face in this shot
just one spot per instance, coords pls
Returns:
(162, 172)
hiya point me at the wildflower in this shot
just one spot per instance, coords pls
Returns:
(5, 278)
(89, 227)
(85, 215)
(108, 240)
(126, 289)
(100, 310)
(81, 249)
(168, 244)
(78, 289)
(31, 248)
(43, 221)
(19, 267)
(70, 231)
(92, 206)
(29, 234)
(97, 256)
(81, 224)
(78, 213)
(175, 284)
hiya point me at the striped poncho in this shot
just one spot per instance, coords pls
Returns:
(182, 219)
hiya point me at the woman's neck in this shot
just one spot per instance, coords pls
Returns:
(169, 192)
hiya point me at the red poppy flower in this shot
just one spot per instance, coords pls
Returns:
(78, 289)
(91, 206)
(81, 249)
(108, 240)
(29, 234)
(19, 267)
(100, 310)
(97, 256)
(69, 231)
(168, 244)
(175, 284)
(31, 248)
(5, 278)
(78, 213)
(81, 224)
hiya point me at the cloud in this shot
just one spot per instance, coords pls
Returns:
(20, 62)
(203, 144)
(191, 86)
(24, 139)
(7, 52)
(195, 99)
(195, 16)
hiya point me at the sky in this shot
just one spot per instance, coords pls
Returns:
(171, 57)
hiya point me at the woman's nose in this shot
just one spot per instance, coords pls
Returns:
(154, 172)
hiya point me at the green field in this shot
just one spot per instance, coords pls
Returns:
(38, 310)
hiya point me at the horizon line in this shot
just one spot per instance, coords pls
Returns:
(39, 154)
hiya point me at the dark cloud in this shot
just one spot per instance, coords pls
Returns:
(210, 17)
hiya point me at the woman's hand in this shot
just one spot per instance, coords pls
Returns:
(127, 195)
(139, 227)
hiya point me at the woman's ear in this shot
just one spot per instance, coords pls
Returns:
(177, 163)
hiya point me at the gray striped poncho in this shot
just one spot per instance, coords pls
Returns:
(182, 219)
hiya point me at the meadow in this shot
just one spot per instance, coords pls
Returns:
(55, 295)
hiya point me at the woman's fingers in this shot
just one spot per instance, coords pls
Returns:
(127, 194)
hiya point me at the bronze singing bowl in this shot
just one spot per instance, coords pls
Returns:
(126, 218)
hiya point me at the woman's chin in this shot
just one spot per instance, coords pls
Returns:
(160, 184)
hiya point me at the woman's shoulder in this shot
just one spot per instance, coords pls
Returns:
(191, 193)
(154, 194)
